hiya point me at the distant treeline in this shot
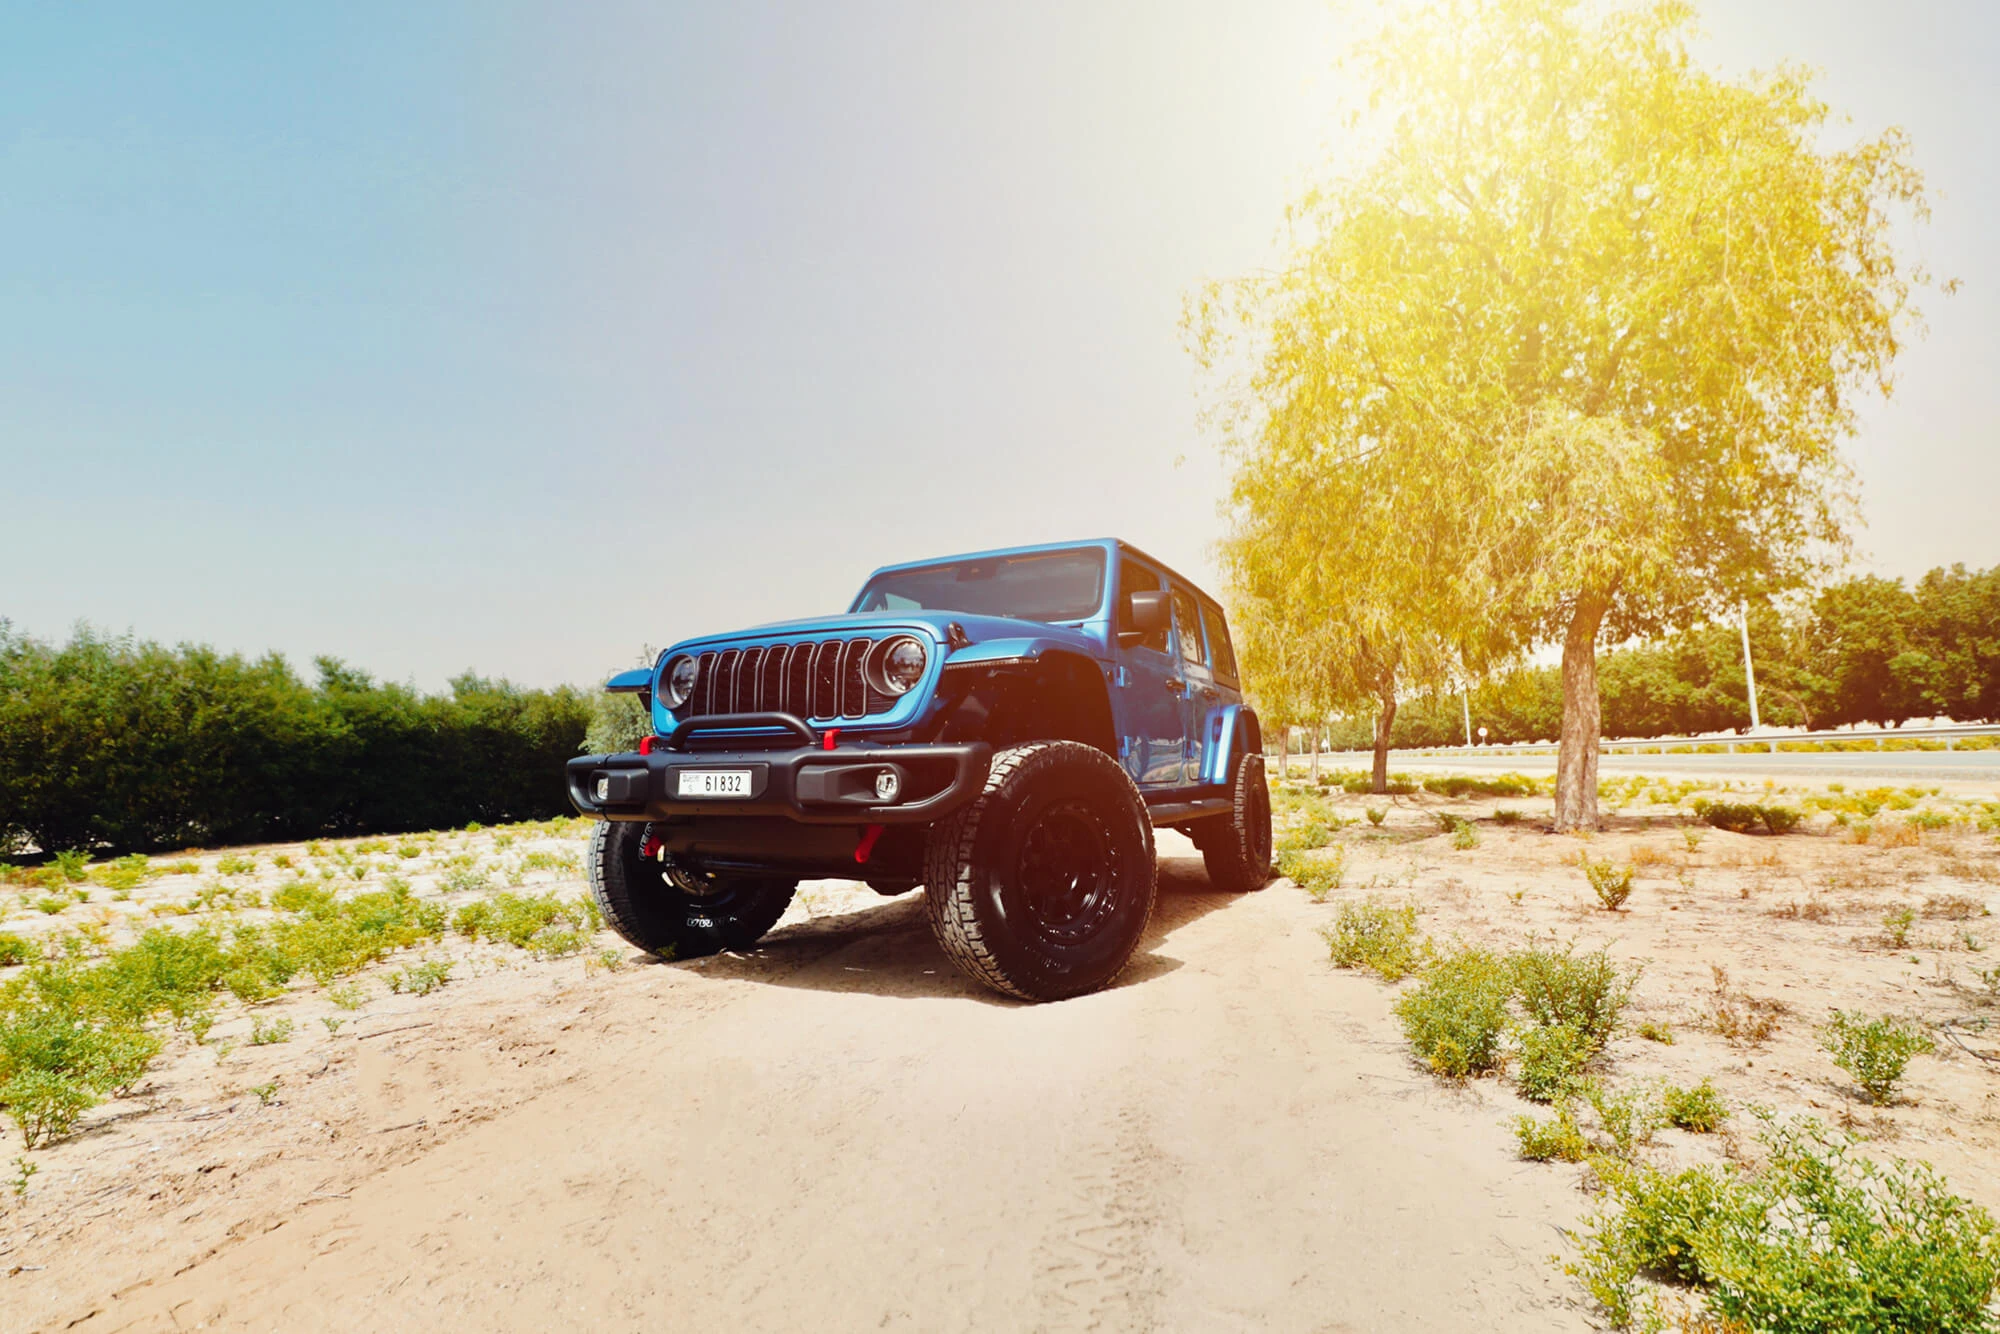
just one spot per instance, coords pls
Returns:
(1868, 651)
(108, 742)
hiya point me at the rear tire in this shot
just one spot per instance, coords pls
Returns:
(1236, 848)
(1041, 885)
(674, 913)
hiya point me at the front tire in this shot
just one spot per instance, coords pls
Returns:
(1041, 885)
(1236, 848)
(674, 913)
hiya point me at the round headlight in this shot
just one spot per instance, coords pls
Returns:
(902, 664)
(678, 681)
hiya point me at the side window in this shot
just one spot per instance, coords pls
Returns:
(1218, 643)
(1133, 578)
(1188, 621)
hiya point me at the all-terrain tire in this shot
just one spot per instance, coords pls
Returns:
(1236, 848)
(1041, 885)
(673, 913)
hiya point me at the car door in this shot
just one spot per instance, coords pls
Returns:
(1199, 695)
(1151, 707)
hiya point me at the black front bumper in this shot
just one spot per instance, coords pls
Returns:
(809, 785)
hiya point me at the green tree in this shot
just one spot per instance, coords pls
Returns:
(1616, 307)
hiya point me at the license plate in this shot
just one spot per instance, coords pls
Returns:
(714, 783)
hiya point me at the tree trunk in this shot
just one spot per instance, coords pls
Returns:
(1384, 720)
(1576, 757)
(1315, 736)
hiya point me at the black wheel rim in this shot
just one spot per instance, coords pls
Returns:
(1068, 872)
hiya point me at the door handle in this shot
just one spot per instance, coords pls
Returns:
(1210, 692)
(1175, 688)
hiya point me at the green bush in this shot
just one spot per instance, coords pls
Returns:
(1779, 819)
(1376, 815)
(1317, 875)
(1557, 1139)
(1699, 1109)
(72, 865)
(1585, 992)
(1376, 935)
(1628, 1118)
(544, 923)
(1303, 839)
(1874, 1051)
(14, 950)
(1456, 1016)
(1551, 1060)
(1820, 1239)
(1611, 882)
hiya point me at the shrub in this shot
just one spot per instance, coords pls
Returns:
(1507, 817)
(234, 865)
(421, 980)
(1628, 1119)
(1376, 935)
(1456, 1017)
(1819, 1239)
(1376, 815)
(1556, 1139)
(1303, 839)
(264, 1034)
(57, 1061)
(1654, 1031)
(1610, 882)
(1559, 987)
(1779, 819)
(1736, 817)
(1465, 837)
(519, 919)
(1552, 1058)
(71, 866)
(1699, 1109)
(1316, 875)
(1896, 924)
(14, 950)
(127, 873)
(1874, 1051)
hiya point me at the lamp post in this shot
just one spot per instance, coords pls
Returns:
(1749, 671)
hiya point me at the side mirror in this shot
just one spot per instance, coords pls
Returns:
(1145, 611)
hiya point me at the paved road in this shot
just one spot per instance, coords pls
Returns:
(1977, 768)
(839, 1133)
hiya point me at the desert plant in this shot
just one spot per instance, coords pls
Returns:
(1584, 992)
(1654, 1031)
(1611, 882)
(1628, 1118)
(1551, 1061)
(1318, 875)
(1507, 817)
(1456, 1016)
(1557, 1139)
(72, 865)
(1820, 1238)
(14, 950)
(265, 1092)
(1376, 815)
(1896, 924)
(1377, 935)
(1693, 838)
(1874, 1051)
(264, 1033)
(1699, 1109)
(1465, 837)
(422, 979)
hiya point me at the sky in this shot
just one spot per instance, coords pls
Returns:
(518, 338)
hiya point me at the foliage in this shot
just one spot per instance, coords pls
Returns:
(1456, 1016)
(1558, 1139)
(546, 924)
(1819, 1239)
(1551, 1061)
(1699, 1109)
(14, 950)
(1377, 935)
(1611, 882)
(113, 741)
(1874, 1051)
(1317, 874)
(1585, 992)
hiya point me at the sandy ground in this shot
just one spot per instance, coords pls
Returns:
(838, 1132)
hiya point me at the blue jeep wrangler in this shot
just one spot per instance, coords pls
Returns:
(1005, 729)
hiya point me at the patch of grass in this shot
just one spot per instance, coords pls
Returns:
(14, 950)
(1303, 839)
(1874, 1051)
(264, 1033)
(73, 865)
(1558, 1139)
(1611, 882)
(126, 874)
(1456, 1017)
(1818, 1239)
(1654, 1031)
(235, 865)
(1506, 816)
(1500, 785)
(1699, 1109)
(1376, 935)
(546, 924)
(1318, 874)
(1896, 924)
(421, 979)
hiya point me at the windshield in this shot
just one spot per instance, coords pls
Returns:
(1045, 586)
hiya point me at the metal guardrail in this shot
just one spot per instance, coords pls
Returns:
(1767, 739)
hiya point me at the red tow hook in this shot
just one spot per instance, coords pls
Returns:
(826, 741)
(866, 847)
(649, 848)
(646, 744)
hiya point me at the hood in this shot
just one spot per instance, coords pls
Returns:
(980, 629)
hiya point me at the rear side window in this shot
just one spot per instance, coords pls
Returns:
(1218, 643)
(1136, 578)
(1188, 619)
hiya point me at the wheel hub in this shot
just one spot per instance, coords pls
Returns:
(1068, 870)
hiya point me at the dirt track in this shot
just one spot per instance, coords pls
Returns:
(840, 1133)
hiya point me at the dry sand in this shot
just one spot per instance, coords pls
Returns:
(838, 1132)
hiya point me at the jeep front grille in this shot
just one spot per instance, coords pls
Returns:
(823, 679)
